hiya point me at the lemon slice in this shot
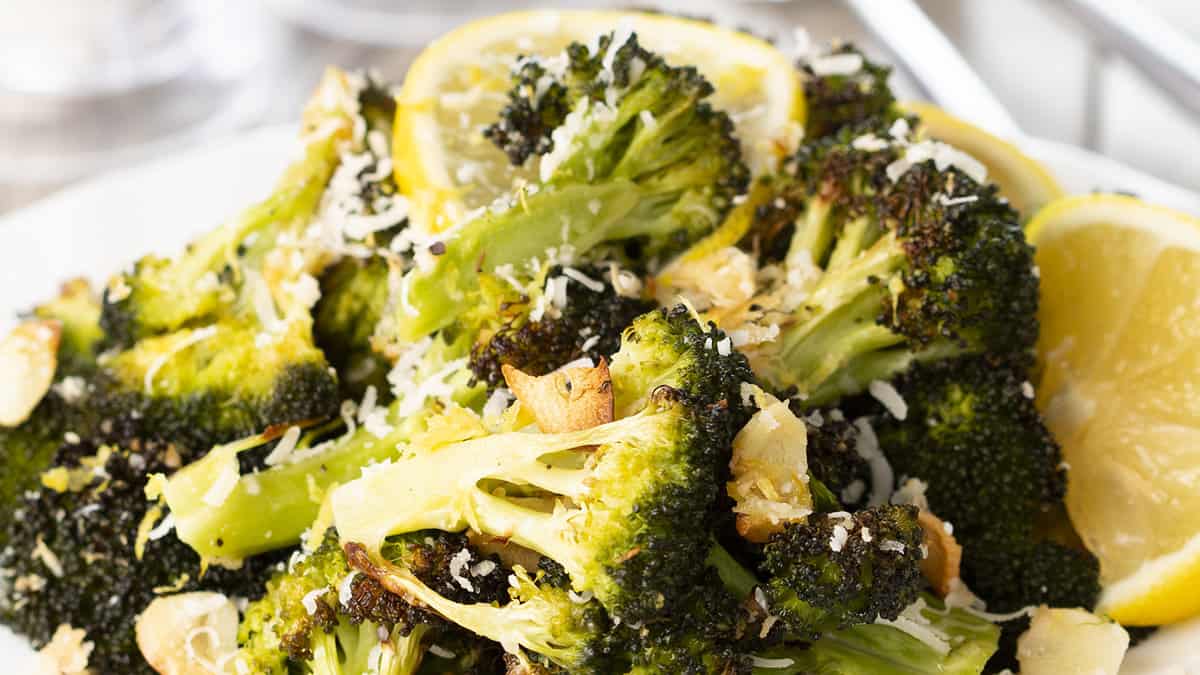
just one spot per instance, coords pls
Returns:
(458, 85)
(1120, 348)
(1024, 181)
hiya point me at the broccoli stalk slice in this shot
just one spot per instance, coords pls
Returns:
(540, 618)
(442, 490)
(266, 510)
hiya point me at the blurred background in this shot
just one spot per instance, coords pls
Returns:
(88, 86)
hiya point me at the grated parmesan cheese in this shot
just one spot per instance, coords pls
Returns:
(836, 64)
(283, 449)
(196, 336)
(771, 664)
(458, 563)
(882, 476)
(838, 539)
(590, 283)
(887, 395)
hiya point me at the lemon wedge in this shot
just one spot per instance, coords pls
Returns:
(1023, 180)
(1120, 388)
(458, 84)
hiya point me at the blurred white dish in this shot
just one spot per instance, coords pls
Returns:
(97, 226)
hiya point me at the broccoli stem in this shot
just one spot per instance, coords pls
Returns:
(439, 490)
(736, 578)
(269, 509)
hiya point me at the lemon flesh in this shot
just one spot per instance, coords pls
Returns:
(1120, 388)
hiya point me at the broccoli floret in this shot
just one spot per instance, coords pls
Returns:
(968, 413)
(842, 569)
(710, 636)
(201, 285)
(956, 643)
(896, 267)
(655, 164)
(270, 508)
(320, 617)
(620, 506)
(540, 618)
(353, 298)
(217, 343)
(27, 449)
(834, 102)
(72, 555)
(588, 325)
(216, 383)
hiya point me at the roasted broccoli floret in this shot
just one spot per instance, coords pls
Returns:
(955, 643)
(320, 617)
(588, 323)
(968, 413)
(266, 509)
(353, 298)
(621, 506)
(639, 158)
(212, 384)
(540, 617)
(964, 414)
(898, 255)
(28, 448)
(845, 99)
(202, 284)
(79, 552)
(842, 569)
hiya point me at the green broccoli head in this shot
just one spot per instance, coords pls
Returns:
(540, 618)
(905, 257)
(968, 413)
(207, 385)
(72, 554)
(620, 506)
(639, 159)
(842, 569)
(324, 618)
(836, 101)
(77, 311)
(589, 324)
(709, 636)
(210, 278)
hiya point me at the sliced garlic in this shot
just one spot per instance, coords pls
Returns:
(28, 359)
(189, 634)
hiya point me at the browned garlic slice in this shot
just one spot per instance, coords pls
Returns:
(570, 399)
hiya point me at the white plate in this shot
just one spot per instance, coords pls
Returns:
(96, 227)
